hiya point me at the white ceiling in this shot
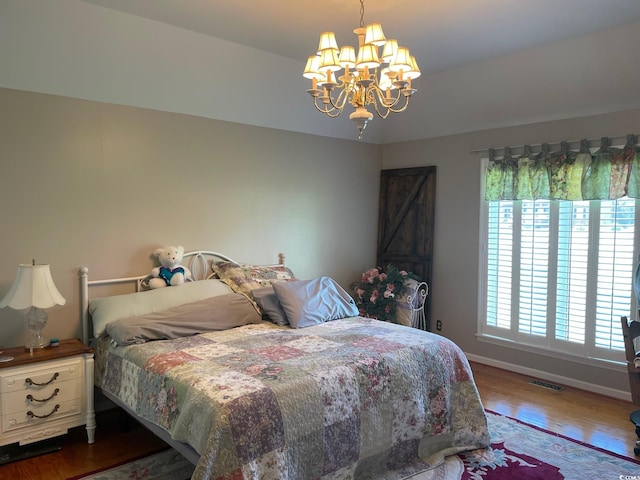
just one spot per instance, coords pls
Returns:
(442, 34)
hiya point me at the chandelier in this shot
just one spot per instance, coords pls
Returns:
(340, 77)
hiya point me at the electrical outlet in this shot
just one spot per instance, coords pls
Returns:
(439, 325)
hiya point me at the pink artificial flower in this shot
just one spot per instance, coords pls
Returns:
(382, 277)
(359, 292)
(374, 296)
(370, 275)
(404, 273)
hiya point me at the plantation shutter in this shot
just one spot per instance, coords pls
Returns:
(615, 267)
(572, 271)
(534, 266)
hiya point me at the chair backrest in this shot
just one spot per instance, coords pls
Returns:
(631, 334)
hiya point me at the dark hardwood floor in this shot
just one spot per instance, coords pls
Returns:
(584, 416)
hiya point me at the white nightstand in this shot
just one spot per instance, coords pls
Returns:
(44, 394)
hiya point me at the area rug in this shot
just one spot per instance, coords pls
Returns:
(548, 456)
(165, 465)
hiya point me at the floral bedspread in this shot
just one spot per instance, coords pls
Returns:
(351, 398)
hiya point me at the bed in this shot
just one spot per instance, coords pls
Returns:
(276, 377)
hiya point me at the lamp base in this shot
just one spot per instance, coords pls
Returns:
(36, 346)
(36, 320)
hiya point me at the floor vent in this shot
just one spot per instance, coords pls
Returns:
(550, 386)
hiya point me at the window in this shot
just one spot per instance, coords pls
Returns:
(558, 273)
(561, 238)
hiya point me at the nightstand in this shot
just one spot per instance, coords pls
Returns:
(44, 394)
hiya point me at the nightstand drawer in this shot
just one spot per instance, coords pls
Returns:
(37, 398)
(34, 379)
(46, 413)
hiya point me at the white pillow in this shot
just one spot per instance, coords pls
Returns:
(109, 309)
(311, 302)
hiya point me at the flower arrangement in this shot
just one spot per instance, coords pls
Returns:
(377, 290)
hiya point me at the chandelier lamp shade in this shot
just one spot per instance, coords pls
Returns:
(375, 79)
(34, 289)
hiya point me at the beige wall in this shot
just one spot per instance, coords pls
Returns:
(455, 286)
(101, 185)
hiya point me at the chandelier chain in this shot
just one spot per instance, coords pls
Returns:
(361, 13)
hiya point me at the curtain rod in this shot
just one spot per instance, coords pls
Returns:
(480, 150)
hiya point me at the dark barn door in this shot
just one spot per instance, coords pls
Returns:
(405, 223)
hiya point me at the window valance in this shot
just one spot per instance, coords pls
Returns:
(607, 173)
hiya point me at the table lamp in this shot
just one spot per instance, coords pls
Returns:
(34, 289)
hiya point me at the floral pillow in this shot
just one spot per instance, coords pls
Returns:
(245, 278)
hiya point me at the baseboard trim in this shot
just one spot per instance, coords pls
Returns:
(550, 377)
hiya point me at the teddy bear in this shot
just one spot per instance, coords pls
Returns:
(170, 273)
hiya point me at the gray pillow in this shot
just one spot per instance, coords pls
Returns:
(110, 309)
(311, 302)
(221, 312)
(269, 305)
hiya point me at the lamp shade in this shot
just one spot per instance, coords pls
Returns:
(33, 287)
(327, 40)
(374, 35)
(367, 56)
(329, 61)
(415, 71)
(402, 61)
(311, 69)
(347, 57)
(389, 50)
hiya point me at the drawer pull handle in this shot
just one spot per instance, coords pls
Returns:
(31, 382)
(33, 415)
(55, 392)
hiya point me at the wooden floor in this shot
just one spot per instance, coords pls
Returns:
(584, 416)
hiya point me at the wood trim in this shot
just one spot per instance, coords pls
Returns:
(22, 356)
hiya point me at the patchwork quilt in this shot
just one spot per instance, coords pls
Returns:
(348, 399)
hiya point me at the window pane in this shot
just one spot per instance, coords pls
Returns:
(534, 263)
(500, 252)
(615, 268)
(573, 255)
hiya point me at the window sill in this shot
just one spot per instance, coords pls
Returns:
(617, 366)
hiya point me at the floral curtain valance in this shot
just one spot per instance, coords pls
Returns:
(609, 173)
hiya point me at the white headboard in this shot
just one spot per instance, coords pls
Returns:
(197, 261)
